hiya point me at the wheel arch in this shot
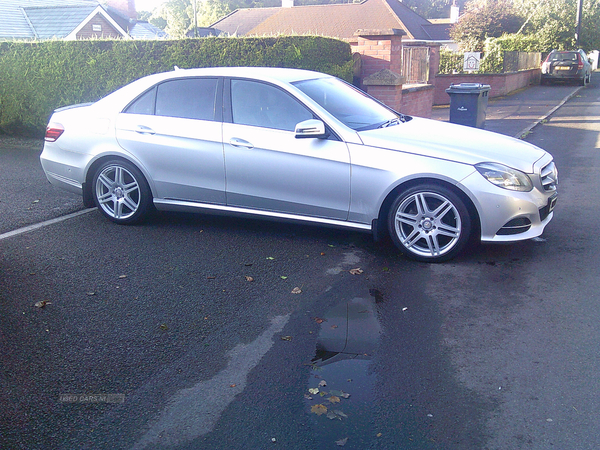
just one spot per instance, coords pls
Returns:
(381, 230)
(88, 198)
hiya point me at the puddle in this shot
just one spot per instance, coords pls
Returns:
(340, 389)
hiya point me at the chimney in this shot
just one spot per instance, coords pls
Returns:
(454, 12)
(287, 3)
(127, 7)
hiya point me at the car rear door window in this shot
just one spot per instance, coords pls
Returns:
(189, 98)
(263, 105)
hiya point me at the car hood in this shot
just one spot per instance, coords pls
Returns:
(454, 142)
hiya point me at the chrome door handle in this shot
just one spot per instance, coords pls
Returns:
(237, 142)
(141, 129)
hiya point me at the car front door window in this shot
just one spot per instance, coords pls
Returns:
(262, 105)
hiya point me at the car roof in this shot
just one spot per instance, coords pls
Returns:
(274, 74)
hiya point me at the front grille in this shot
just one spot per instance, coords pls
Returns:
(549, 177)
(515, 226)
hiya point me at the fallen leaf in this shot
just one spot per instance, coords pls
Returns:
(91, 293)
(333, 327)
(283, 277)
(336, 414)
(340, 393)
(322, 383)
(322, 253)
(122, 276)
(307, 397)
(314, 391)
(163, 326)
(286, 338)
(249, 279)
(210, 277)
(232, 385)
(379, 434)
(356, 271)
(318, 409)
(42, 303)
(334, 399)
(341, 442)
(319, 320)
(270, 257)
(296, 290)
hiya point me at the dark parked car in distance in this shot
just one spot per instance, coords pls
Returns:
(566, 65)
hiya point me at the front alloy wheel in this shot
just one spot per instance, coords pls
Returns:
(429, 223)
(120, 192)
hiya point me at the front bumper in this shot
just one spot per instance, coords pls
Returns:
(507, 216)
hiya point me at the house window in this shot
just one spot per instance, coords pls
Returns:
(97, 28)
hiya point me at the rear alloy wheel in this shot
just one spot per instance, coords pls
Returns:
(120, 191)
(429, 223)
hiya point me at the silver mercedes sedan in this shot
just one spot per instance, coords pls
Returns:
(290, 144)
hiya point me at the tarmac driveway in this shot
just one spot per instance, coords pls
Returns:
(26, 196)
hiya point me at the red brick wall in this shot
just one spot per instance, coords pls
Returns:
(501, 84)
(418, 101)
(389, 95)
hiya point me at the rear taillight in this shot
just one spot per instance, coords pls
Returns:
(579, 62)
(53, 132)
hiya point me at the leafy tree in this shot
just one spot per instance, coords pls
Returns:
(553, 22)
(483, 19)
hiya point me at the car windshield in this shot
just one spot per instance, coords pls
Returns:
(347, 104)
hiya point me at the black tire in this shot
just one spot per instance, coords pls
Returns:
(121, 192)
(429, 223)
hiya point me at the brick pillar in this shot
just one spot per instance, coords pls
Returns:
(434, 61)
(381, 60)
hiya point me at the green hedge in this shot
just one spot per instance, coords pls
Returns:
(493, 53)
(37, 78)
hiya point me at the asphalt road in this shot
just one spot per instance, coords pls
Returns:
(154, 337)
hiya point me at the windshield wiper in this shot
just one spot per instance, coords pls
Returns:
(389, 123)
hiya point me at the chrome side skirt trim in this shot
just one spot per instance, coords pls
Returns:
(186, 206)
(64, 180)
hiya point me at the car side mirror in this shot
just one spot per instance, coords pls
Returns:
(311, 128)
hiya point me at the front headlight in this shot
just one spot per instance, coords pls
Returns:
(505, 177)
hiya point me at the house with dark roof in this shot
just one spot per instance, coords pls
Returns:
(333, 20)
(68, 20)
